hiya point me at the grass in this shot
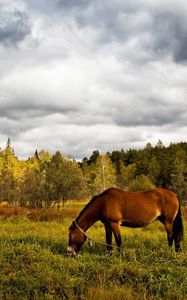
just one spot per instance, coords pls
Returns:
(34, 264)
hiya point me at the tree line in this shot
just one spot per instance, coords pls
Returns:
(45, 180)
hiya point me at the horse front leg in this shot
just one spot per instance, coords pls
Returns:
(116, 231)
(108, 231)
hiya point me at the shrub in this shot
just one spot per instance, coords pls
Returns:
(141, 183)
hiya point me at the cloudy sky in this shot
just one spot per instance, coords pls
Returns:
(79, 75)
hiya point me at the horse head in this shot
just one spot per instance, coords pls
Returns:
(76, 239)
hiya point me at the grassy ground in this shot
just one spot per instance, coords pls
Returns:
(34, 264)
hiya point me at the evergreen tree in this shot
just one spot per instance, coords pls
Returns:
(179, 175)
(93, 157)
(126, 175)
(154, 170)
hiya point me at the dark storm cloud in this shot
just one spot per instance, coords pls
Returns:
(160, 29)
(71, 3)
(21, 111)
(165, 25)
(14, 26)
(171, 34)
(151, 117)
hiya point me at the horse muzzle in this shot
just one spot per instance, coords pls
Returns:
(71, 251)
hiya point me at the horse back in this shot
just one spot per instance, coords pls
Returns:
(138, 208)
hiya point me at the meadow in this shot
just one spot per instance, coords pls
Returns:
(34, 263)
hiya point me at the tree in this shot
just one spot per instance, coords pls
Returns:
(11, 175)
(117, 158)
(54, 178)
(45, 179)
(160, 144)
(32, 188)
(126, 175)
(44, 159)
(148, 146)
(101, 175)
(74, 184)
(8, 144)
(64, 179)
(179, 175)
(154, 170)
(162, 156)
(93, 157)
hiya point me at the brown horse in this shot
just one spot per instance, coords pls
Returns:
(115, 207)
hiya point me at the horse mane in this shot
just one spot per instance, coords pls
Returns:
(93, 200)
(85, 208)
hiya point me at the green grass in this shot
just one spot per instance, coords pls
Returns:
(34, 264)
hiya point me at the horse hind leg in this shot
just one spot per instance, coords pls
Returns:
(169, 229)
(177, 244)
(178, 230)
(173, 236)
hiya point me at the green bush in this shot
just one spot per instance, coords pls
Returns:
(141, 184)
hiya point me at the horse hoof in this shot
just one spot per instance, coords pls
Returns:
(109, 251)
(178, 250)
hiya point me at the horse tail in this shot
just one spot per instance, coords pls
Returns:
(178, 231)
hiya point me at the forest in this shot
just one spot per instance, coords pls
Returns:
(45, 180)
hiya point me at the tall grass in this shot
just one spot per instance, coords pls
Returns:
(34, 264)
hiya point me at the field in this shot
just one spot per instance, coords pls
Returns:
(34, 263)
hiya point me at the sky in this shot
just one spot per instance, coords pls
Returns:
(81, 75)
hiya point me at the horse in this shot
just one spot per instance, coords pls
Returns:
(115, 208)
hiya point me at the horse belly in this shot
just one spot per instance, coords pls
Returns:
(140, 218)
(131, 224)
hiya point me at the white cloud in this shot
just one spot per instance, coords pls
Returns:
(93, 76)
